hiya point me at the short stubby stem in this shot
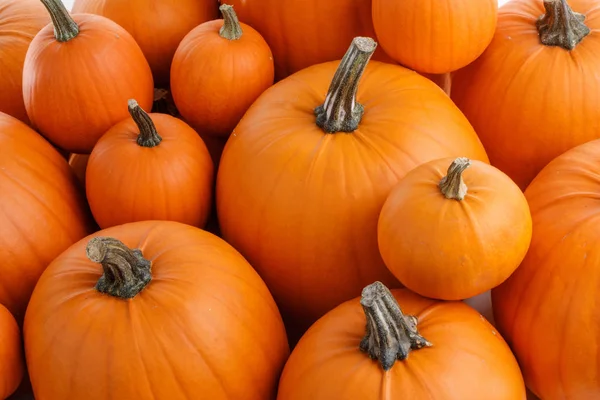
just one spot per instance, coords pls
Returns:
(231, 28)
(390, 335)
(148, 136)
(452, 185)
(126, 271)
(65, 28)
(341, 112)
(561, 26)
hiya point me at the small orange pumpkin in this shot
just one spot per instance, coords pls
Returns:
(12, 365)
(153, 310)
(218, 70)
(426, 350)
(150, 167)
(78, 72)
(456, 234)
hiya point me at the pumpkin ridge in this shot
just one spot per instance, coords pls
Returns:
(65, 28)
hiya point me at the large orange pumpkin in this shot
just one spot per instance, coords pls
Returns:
(153, 310)
(454, 228)
(20, 21)
(434, 36)
(425, 350)
(533, 94)
(150, 167)
(12, 365)
(299, 195)
(302, 33)
(156, 25)
(78, 73)
(548, 310)
(41, 209)
(219, 69)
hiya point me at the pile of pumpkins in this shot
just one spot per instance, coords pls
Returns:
(292, 200)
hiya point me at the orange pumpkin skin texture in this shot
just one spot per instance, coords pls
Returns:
(466, 359)
(12, 365)
(74, 90)
(205, 325)
(20, 21)
(156, 25)
(41, 209)
(434, 36)
(454, 233)
(169, 177)
(550, 298)
(219, 69)
(299, 38)
(302, 205)
(531, 102)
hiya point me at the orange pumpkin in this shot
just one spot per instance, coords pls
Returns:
(78, 163)
(20, 21)
(157, 25)
(41, 209)
(299, 195)
(150, 167)
(426, 350)
(533, 94)
(12, 366)
(153, 310)
(302, 33)
(456, 234)
(434, 36)
(219, 69)
(78, 72)
(548, 309)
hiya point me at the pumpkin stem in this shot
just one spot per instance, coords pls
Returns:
(65, 28)
(148, 136)
(452, 185)
(126, 271)
(341, 112)
(391, 335)
(231, 28)
(561, 26)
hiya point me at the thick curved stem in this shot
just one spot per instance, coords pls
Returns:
(391, 335)
(341, 112)
(126, 271)
(65, 28)
(561, 26)
(148, 136)
(231, 28)
(452, 185)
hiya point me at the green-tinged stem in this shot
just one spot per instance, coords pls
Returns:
(65, 28)
(341, 112)
(390, 335)
(148, 136)
(126, 271)
(561, 26)
(231, 28)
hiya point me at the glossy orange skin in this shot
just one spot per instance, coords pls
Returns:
(302, 33)
(75, 91)
(20, 21)
(78, 163)
(41, 209)
(12, 365)
(156, 25)
(214, 80)
(434, 36)
(206, 325)
(547, 309)
(454, 249)
(468, 359)
(529, 102)
(173, 181)
(302, 205)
